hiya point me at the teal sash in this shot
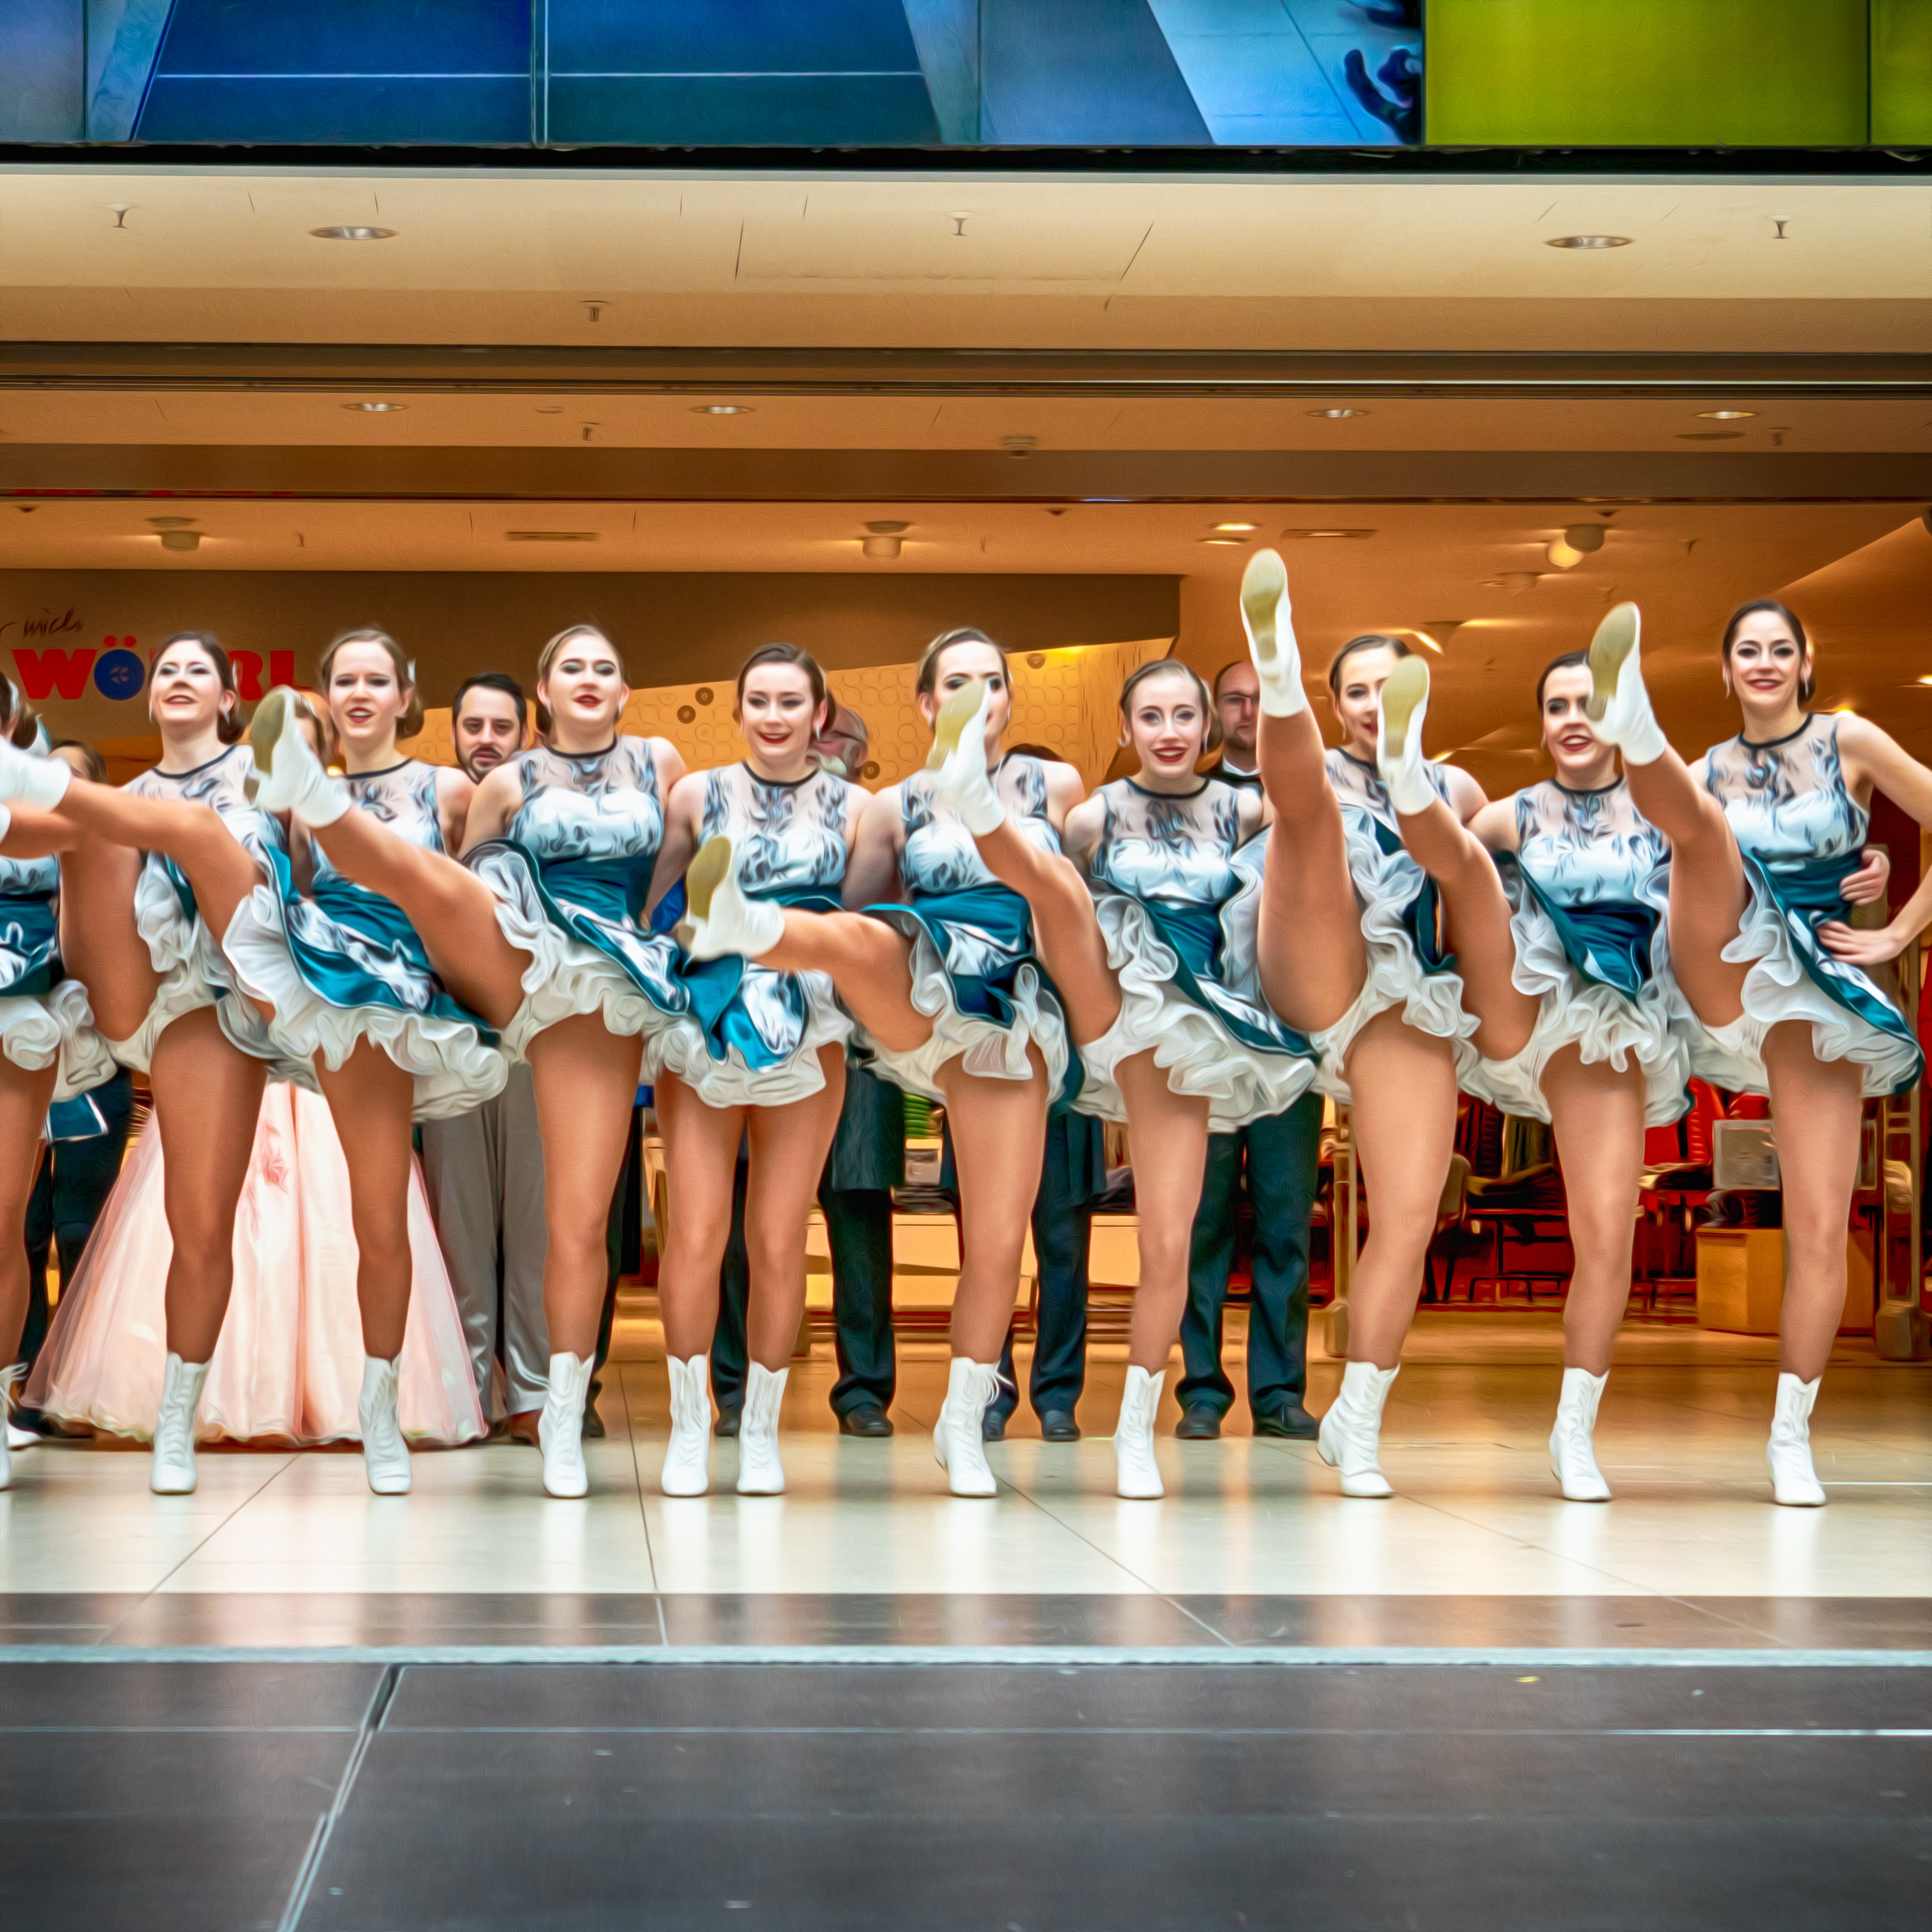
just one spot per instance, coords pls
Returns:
(28, 944)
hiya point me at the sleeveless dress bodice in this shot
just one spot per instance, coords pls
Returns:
(593, 822)
(1360, 785)
(940, 855)
(1585, 848)
(404, 798)
(1175, 852)
(1786, 802)
(792, 837)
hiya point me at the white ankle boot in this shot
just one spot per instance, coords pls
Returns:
(172, 1472)
(687, 1462)
(1350, 1434)
(386, 1456)
(957, 1444)
(760, 1472)
(8, 1377)
(1793, 1481)
(958, 759)
(560, 1426)
(1136, 1472)
(1573, 1459)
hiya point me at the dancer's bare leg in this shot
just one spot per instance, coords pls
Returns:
(1404, 1118)
(100, 944)
(453, 913)
(868, 961)
(1170, 1143)
(789, 1145)
(24, 1097)
(1066, 935)
(1816, 1108)
(370, 1099)
(999, 1142)
(1312, 957)
(701, 1154)
(208, 1102)
(586, 1078)
(1597, 1113)
(1478, 920)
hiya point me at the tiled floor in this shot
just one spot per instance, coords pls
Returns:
(867, 1547)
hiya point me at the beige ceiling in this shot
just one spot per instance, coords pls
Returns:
(153, 254)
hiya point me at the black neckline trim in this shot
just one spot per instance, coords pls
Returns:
(1772, 744)
(783, 785)
(1587, 791)
(356, 778)
(1134, 784)
(604, 754)
(206, 764)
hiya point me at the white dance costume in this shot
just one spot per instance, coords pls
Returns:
(570, 875)
(1179, 917)
(194, 971)
(290, 1359)
(1407, 968)
(748, 1035)
(341, 963)
(1590, 883)
(1800, 832)
(44, 1017)
(974, 972)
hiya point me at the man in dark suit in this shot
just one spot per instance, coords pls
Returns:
(1278, 1158)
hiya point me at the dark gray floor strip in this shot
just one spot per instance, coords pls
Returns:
(379, 1701)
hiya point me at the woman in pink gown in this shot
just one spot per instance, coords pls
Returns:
(288, 1366)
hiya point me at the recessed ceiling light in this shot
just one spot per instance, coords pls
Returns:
(1926, 680)
(721, 409)
(1335, 415)
(171, 523)
(1725, 415)
(1242, 527)
(1236, 541)
(551, 536)
(180, 540)
(353, 231)
(1589, 241)
(1299, 535)
(377, 409)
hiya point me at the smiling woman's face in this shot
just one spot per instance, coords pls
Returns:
(959, 664)
(584, 691)
(1362, 677)
(366, 698)
(185, 693)
(779, 714)
(1167, 723)
(1567, 734)
(1766, 663)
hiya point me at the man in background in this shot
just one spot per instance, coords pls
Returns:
(1275, 1163)
(484, 1169)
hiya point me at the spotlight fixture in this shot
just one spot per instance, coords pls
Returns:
(1336, 415)
(1235, 530)
(353, 231)
(377, 409)
(180, 540)
(1312, 536)
(721, 409)
(1578, 542)
(1019, 445)
(1925, 680)
(883, 539)
(1724, 415)
(171, 523)
(1237, 542)
(1589, 241)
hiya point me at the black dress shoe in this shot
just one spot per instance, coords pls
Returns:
(727, 1424)
(992, 1427)
(1288, 1418)
(1057, 1425)
(1199, 1423)
(868, 1419)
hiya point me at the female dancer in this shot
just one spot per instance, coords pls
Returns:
(759, 1055)
(544, 939)
(166, 1000)
(1764, 831)
(950, 998)
(1350, 956)
(346, 979)
(49, 1048)
(1155, 966)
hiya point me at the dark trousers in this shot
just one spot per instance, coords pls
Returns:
(75, 1179)
(1280, 1156)
(859, 1222)
(1062, 1227)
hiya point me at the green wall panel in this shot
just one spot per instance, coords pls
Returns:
(1641, 73)
(1901, 85)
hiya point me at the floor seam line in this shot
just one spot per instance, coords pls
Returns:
(643, 1515)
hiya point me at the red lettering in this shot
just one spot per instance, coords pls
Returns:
(248, 667)
(281, 667)
(43, 673)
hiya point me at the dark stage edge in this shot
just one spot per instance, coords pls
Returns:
(353, 1797)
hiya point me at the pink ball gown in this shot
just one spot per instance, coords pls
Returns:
(288, 1365)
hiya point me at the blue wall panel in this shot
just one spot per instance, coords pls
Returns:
(1075, 72)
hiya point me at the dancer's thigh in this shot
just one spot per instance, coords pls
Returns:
(789, 1145)
(1312, 957)
(585, 1079)
(1596, 1116)
(701, 1162)
(1170, 1145)
(371, 1099)
(208, 1102)
(100, 945)
(1403, 1114)
(999, 1147)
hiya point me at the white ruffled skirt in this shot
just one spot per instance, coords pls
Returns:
(781, 1027)
(38, 1029)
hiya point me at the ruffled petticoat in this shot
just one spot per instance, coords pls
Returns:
(1194, 1045)
(756, 1045)
(1653, 1029)
(393, 1001)
(976, 963)
(627, 979)
(194, 974)
(1387, 886)
(288, 1367)
(36, 1028)
(1787, 967)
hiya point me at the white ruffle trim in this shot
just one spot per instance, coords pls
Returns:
(1777, 988)
(984, 1049)
(1432, 1003)
(565, 977)
(453, 1070)
(1653, 1028)
(1191, 1045)
(680, 1047)
(34, 1028)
